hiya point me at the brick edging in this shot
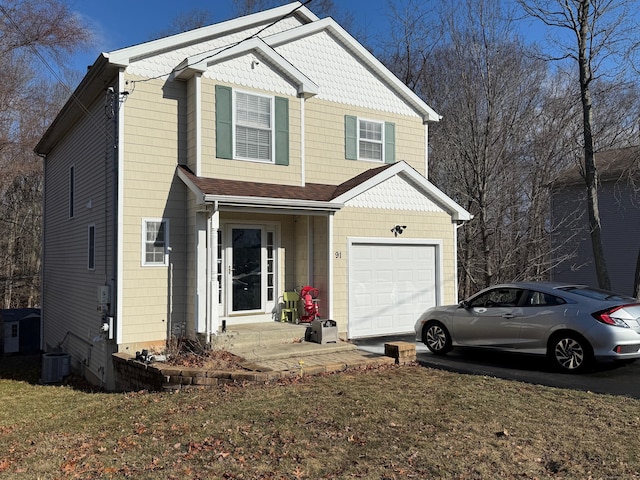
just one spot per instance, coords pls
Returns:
(134, 375)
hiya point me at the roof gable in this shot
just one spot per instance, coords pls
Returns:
(229, 31)
(305, 50)
(199, 63)
(396, 193)
(408, 198)
(287, 35)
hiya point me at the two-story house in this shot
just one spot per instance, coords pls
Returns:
(191, 180)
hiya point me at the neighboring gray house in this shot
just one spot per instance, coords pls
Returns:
(619, 204)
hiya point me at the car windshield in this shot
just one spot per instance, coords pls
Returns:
(595, 293)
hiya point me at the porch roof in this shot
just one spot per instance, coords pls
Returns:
(311, 196)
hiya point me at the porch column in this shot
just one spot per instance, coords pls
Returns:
(330, 260)
(213, 322)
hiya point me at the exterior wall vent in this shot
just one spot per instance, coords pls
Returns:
(55, 366)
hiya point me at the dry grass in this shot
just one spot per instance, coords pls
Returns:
(391, 423)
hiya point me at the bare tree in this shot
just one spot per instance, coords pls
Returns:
(34, 35)
(322, 8)
(186, 21)
(469, 64)
(600, 35)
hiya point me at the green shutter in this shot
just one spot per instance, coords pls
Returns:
(224, 123)
(350, 137)
(389, 142)
(282, 130)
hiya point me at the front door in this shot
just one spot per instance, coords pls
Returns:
(246, 269)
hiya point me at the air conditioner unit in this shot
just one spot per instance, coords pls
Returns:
(55, 366)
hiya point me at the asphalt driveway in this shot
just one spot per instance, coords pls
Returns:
(609, 378)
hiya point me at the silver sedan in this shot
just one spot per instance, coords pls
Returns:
(572, 324)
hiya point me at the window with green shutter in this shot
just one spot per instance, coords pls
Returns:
(369, 140)
(251, 126)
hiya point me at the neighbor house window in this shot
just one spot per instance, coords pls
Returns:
(369, 140)
(91, 247)
(155, 234)
(251, 127)
(72, 190)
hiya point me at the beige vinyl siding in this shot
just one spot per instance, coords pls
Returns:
(324, 144)
(325, 141)
(192, 133)
(155, 133)
(244, 169)
(70, 317)
(376, 223)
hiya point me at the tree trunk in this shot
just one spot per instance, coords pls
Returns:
(590, 171)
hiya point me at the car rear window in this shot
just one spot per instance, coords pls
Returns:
(595, 293)
(543, 299)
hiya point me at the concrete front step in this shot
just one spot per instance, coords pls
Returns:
(261, 353)
(274, 340)
(260, 334)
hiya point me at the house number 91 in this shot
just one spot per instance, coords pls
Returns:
(338, 254)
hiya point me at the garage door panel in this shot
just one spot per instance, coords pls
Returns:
(400, 280)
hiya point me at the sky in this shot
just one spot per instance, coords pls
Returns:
(118, 24)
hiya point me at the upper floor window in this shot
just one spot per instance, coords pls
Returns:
(251, 127)
(369, 140)
(72, 190)
(155, 235)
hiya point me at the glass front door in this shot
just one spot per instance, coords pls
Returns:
(246, 269)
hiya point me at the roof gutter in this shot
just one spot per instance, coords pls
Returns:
(88, 89)
(273, 203)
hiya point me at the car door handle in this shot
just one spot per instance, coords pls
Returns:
(508, 315)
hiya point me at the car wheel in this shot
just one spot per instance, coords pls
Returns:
(570, 352)
(436, 337)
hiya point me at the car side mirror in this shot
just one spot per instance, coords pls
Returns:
(464, 304)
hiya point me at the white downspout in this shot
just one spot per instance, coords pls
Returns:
(303, 172)
(198, 121)
(119, 269)
(330, 260)
(426, 151)
(456, 226)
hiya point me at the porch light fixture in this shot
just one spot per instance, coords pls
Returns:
(398, 229)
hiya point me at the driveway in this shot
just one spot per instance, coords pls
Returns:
(609, 378)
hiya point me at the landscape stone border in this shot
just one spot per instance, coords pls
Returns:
(135, 375)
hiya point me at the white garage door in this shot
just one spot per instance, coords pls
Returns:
(390, 285)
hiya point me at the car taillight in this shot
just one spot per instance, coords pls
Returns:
(605, 316)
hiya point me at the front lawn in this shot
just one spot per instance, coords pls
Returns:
(388, 423)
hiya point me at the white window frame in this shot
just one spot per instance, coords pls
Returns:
(91, 246)
(165, 256)
(381, 142)
(271, 129)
